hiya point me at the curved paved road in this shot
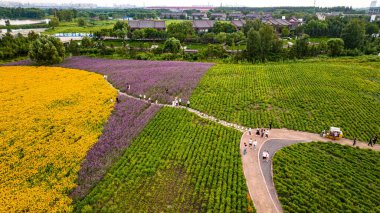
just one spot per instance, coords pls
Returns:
(272, 146)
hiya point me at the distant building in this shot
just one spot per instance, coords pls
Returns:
(198, 16)
(252, 16)
(143, 24)
(238, 24)
(374, 8)
(277, 24)
(218, 16)
(203, 26)
(295, 22)
(236, 16)
(174, 15)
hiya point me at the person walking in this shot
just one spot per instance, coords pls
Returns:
(370, 142)
(250, 131)
(254, 144)
(354, 142)
(117, 100)
(374, 140)
(257, 131)
(270, 125)
(262, 132)
(140, 96)
(245, 151)
(250, 142)
(267, 133)
(188, 103)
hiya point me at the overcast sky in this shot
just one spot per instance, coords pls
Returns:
(251, 3)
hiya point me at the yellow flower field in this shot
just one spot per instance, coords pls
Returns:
(49, 119)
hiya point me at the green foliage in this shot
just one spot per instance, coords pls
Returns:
(213, 51)
(121, 25)
(335, 46)
(371, 28)
(327, 177)
(316, 28)
(47, 50)
(54, 22)
(261, 43)
(300, 96)
(179, 163)
(81, 22)
(66, 15)
(21, 13)
(15, 46)
(285, 32)
(138, 34)
(301, 47)
(256, 25)
(353, 34)
(172, 45)
(221, 38)
(225, 27)
(181, 30)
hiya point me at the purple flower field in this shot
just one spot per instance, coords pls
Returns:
(127, 120)
(150, 78)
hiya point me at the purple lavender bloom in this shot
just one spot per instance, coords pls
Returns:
(128, 119)
(159, 80)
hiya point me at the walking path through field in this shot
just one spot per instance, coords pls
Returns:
(257, 172)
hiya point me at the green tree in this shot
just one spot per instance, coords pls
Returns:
(267, 38)
(335, 46)
(87, 42)
(256, 25)
(221, 38)
(285, 32)
(172, 45)
(54, 22)
(121, 25)
(371, 28)
(253, 45)
(220, 27)
(181, 31)
(47, 50)
(121, 34)
(301, 47)
(316, 28)
(353, 34)
(81, 22)
(138, 34)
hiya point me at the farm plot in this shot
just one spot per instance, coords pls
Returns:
(49, 119)
(327, 177)
(300, 96)
(158, 80)
(128, 119)
(179, 163)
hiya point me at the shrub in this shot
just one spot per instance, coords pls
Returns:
(47, 50)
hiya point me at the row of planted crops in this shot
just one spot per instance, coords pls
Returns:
(157, 159)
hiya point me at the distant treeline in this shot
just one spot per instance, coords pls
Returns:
(21, 13)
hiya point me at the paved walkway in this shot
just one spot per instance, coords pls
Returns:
(258, 173)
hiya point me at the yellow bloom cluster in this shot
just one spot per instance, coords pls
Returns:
(49, 118)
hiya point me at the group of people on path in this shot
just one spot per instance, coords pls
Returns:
(178, 102)
(264, 133)
(372, 141)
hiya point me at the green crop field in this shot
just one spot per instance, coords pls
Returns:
(72, 27)
(179, 163)
(327, 177)
(307, 96)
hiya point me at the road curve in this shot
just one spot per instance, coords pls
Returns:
(258, 174)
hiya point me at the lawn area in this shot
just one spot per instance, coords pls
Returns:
(307, 96)
(49, 119)
(327, 177)
(179, 163)
(72, 27)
